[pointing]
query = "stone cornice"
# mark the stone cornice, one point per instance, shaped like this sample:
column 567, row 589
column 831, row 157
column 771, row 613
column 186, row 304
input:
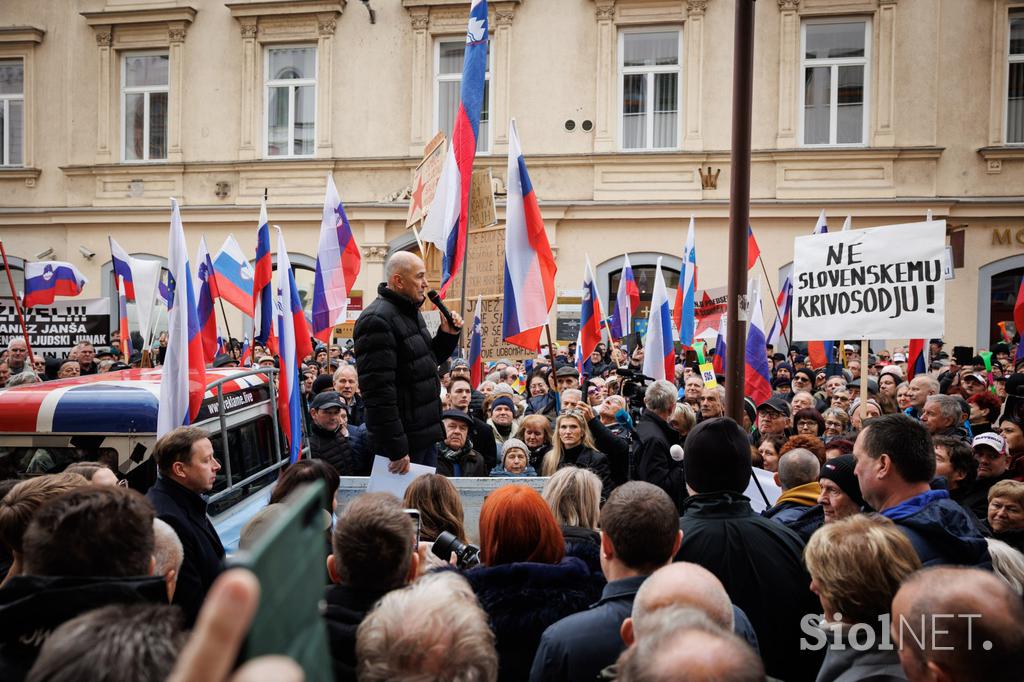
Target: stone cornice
column 148, row 15
column 21, row 34
column 264, row 8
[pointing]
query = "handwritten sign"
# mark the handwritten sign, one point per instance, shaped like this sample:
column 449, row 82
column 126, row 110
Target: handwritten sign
column 709, row 307
column 424, row 180
column 882, row 282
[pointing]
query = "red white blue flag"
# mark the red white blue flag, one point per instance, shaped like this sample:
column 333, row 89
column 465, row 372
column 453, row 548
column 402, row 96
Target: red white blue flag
column 757, row 379
column 659, row 351
column 684, row 312
column 262, row 290
column 337, row 266
column 207, row 293
column 718, row 361
column 476, row 369
column 529, row 263
column 627, row 300
column 183, row 380
column 447, row 221
column 46, row 279
column 821, row 227
column 590, row 319
column 122, row 264
column 917, row 360
column 784, row 303
column 125, row 346
column 289, row 404
column 234, row 275
column 753, row 250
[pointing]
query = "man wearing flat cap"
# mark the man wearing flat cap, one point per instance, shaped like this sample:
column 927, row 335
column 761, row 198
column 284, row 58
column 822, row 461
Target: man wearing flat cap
column 328, row 434
column 455, row 454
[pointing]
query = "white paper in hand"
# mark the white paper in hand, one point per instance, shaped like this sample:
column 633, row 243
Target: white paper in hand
column 383, row 481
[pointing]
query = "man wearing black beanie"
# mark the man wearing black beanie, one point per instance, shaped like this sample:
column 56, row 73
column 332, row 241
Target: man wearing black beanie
column 758, row 560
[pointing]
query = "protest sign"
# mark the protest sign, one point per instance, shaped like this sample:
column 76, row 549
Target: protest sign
column 53, row 330
column 709, row 306
column 424, row 180
column 482, row 211
column 882, row 282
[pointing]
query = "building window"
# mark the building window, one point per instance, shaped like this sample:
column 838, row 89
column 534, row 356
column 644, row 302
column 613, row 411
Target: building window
column 144, row 92
column 651, row 96
column 448, row 84
column 1015, row 84
column 835, row 64
column 290, row 100
column 12, row 112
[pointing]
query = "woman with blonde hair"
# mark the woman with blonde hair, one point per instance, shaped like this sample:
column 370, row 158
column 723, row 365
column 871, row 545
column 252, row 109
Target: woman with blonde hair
column 574, row 496
column 574, row 446
column 535, row 431
column 856, row 566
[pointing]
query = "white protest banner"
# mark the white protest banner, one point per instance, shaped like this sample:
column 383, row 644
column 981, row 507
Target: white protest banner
column 882, row 282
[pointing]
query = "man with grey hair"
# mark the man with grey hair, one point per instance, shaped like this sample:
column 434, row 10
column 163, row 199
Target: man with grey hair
column 798, row 477
column 346, row 383
column 712, row 402
column 918, row 390
column 654, row 461
column 941, row 416
column 17, row 355
column 397, row 363
column 168, row 554
column 433, row 629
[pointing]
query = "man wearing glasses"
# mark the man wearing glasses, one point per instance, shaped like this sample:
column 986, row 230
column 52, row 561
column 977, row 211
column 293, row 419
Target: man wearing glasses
column 772, row 417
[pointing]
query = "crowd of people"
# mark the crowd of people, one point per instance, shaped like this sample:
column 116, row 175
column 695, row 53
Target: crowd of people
column 893, row 551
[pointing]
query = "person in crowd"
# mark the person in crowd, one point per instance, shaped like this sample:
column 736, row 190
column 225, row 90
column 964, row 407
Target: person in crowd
column 397, row 361
column 782, row 388
column 840, row 495
column 94, row 472
column 837, row 447
column 798, row 478
column 502, row 419
column 439, row 504
column 460, row 369
column 23, row 378
column 298, row 474
column 770, row 446
column 693, row 390
column 903, row 396
column 773, row 416
column 856, row 566
column 515, row 460
column 940, row 618
column 985, row 408
column 861, row 413
column 328, row 434
column 758, row 561
column 993, row 463
column 574, row 446
column 941, row 415
column 187, row 471
column 1006, row 513
column 841, row 399
column 21, row 503
column 802, row 400
column 346, row 383
column 615, row 417
column 712, row 402
column 895, row 465
column 167, row 555
column 837, row 423
column 460, row 393
column 803, row 381
column 86, row 548
column 117, row 643
column 808, row 421
column 68, row 369
column 682, row 643
column 574, row 497
column 918, row 391
column 955, row 462
column 682, row 420
column 889, row 378
column 654, row 461
column 455, row 454
column 1007, row 563
column 85, row 353
column 17, row 355
column 639, row 534
column 613, row 447
column 374, row 552
column 5, row 374
column 525, row 582
column 535, row 430
column 434, row 629
column 537, row 386
column 1011, row 428
column 811, row 443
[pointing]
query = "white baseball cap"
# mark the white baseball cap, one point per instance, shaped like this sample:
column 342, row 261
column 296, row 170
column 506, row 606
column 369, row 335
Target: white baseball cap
column 991, row 440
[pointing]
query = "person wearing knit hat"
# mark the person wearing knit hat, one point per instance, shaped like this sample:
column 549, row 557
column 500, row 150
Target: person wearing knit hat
column 515, row 460
column 840, row 491
column 758, row 560
column 501, row 417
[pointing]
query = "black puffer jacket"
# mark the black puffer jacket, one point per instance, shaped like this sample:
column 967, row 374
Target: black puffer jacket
column 585, row 458
column 397, row 363
column 334, row 448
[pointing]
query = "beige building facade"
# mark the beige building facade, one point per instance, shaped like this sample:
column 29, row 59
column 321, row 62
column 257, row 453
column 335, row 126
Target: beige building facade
column 877, row 109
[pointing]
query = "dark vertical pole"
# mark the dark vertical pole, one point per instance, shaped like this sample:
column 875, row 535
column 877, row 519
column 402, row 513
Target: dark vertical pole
column 739, row 203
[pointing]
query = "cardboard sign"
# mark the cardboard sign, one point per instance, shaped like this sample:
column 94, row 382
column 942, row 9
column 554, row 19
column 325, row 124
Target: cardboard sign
column 424, row 180
column 53, row 330
column 709, row 306
column 882, row 282
column 482, row 212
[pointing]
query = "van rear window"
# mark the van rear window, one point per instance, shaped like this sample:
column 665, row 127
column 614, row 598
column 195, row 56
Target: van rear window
column 251, row 448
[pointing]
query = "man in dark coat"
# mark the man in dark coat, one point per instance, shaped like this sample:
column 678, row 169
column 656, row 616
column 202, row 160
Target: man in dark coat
column 346, row 383
column 759, row 561
column 374, row 553
column 188, row 470
column 455, row 455
column 460, row 392
column 993, row 466
column 654, row 462
column 397, row 364
column 328, row 434
column 639, row 534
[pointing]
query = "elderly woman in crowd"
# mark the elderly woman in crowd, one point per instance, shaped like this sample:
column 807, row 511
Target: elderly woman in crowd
column 856, row 567
column 574, row 496
column 902, row 397
column 809, row 422
column 535, row 430
column 837, row 422
column 439, row 505
column 515, row 460
column 525, row 582
column 770, row 450
column 858, row 416
column 1006, row 513
column 574, row 446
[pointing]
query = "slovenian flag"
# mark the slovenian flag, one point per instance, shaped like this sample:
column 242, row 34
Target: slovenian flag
column 122, row 264
column 245, row 355
column 46, row 279
column 784, row 304
column 234, row 275
column 207, row 293
column 590, row 319
column 447, row 221
column 183, row 379
column 627, row 300
column 337, row 266
column 917, row 358
column 659, row 352
column 262, row 291
column 757, row 379
column 476, row 369
column 718, row 361
column 529, row 263
column 122, row 320
column 289, row 406
column 683, row 314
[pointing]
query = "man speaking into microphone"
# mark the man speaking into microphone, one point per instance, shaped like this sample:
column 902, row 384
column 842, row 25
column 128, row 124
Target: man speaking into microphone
column 397, row 362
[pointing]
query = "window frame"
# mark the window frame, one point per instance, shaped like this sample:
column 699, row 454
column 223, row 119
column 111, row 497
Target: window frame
column 1014, row 12
column 290, row 83
column 438, row 78
column 834, row 64
column 146, row 90
column 622, row 71
column 5, row 100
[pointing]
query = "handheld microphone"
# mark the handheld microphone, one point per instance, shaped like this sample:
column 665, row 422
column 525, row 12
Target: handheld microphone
column 435, row 298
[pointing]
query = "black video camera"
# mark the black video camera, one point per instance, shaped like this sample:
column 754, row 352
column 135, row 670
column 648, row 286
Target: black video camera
column 466, row 555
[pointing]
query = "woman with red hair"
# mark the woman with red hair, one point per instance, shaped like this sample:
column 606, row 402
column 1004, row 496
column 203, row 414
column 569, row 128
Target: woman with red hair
column 526, row 582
